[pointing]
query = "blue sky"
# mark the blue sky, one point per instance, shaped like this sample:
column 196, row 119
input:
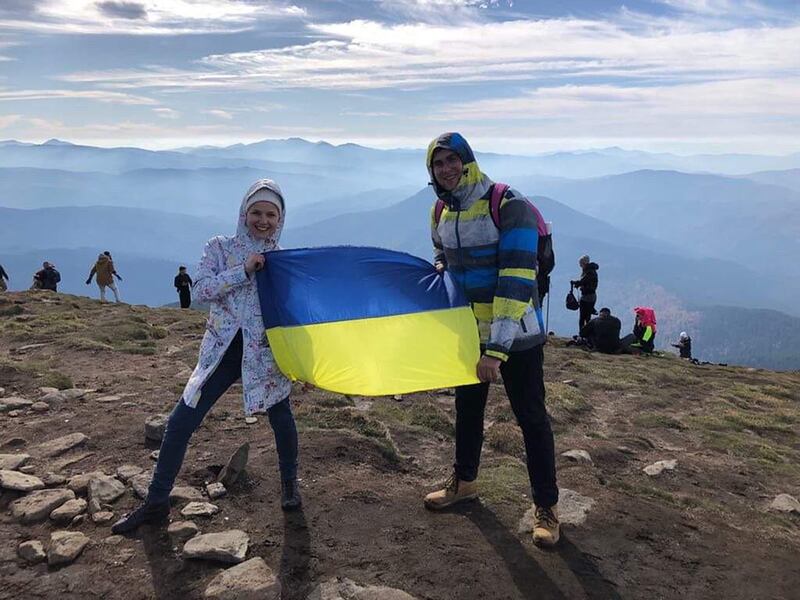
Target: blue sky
column 675, row 75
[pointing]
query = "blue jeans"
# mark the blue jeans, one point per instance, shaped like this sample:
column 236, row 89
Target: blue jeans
column 185, row 420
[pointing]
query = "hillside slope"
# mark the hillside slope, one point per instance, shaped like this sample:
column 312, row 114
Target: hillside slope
column 702, row 530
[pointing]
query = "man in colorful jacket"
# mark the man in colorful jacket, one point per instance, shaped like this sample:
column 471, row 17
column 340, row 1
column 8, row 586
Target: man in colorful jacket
column 496, row 268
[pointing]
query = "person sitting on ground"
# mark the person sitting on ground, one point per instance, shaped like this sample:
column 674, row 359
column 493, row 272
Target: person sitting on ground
column 183, row 284
column 104, row 268
column 684, row 345
column 3, row 278
column 587, row 285
column 234, row 346
column 602, row 332
column 642, row 340
column 46, row 278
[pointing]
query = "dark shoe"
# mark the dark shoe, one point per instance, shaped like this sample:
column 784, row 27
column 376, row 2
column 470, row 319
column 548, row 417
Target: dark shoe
column 290, row 495
column 146, row 513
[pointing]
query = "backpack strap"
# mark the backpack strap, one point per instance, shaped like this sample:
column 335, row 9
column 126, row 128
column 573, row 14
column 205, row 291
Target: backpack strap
column 498, row 192
column 437, row 211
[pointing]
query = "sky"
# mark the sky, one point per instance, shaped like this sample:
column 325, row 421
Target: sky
column 530, row 76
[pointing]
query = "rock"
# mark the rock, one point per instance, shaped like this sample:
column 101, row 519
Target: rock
column 65, row 546
column 47, row 390
column 95, row 506
column 51, row 479
column 183, row 530
column 105, row 489
column 154, row 427
column 80, row 483
column 38, row 505
column 226, row 546
column 77, row 520
column 215, row 490
column 103, row 516
column 181, row 493
column 658, row 467
column 345, row 589
column 69, row 510
column 236, row 464
column 14, row 403
column 113, row 540
column 250, row 421
column 199, row 509
column 127, row 472
column 32, row 551
column 15, row 442
column 40, row 407
column 140, row 484
column 27, row 469
column 74, row 393
column 250, row 580
column 108, row 398
column 572, row 510
column 577, row 456
column 62, row 444
column 12, row 413
column 2, row 392
column 54, row 398
column 28, row 348
column 785, row 503
column 154, row 454
column 14, row 480
column 13, row 461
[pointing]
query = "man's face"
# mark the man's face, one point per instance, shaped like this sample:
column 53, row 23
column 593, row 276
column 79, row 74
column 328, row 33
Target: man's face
column 447, row 169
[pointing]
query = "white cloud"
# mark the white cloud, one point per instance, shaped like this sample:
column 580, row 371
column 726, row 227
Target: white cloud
column 723, row 8
column 149, row 17
column 364, row 55
column 6, row 120
column 96, row 95
column 219, row 113
column 167, row 113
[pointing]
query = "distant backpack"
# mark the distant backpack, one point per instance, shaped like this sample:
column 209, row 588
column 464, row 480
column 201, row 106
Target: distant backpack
column 545, row 256
column 572, row 302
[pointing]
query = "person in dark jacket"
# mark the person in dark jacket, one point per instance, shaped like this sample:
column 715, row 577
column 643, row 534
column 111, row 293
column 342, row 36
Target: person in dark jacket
column 3, row 279
column 587, row 284
column 47, row 277
column 183, row 283
column 602, row 332
column 684, row 345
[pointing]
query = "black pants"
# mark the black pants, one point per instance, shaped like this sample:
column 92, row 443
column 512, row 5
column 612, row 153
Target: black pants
column 586, row 312
column 185, row 295
column 524, row 382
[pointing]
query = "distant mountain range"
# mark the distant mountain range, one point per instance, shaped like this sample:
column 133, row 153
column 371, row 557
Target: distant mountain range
column 679, row 241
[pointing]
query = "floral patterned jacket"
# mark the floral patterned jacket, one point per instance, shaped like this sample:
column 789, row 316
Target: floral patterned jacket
column 222, row 281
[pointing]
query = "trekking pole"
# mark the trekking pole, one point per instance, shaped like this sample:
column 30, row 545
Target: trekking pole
column 547, row 319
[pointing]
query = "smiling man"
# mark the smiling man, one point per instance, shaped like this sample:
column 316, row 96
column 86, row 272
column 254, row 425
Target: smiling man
column 489, row 247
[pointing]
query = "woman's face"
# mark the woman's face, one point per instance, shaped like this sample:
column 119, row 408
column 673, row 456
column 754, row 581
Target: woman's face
column 262, row 220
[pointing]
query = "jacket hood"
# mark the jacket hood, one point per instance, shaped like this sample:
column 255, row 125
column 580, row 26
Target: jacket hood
column 473, row 183
column 593, row 266
column 241, row 228
column 102, row 258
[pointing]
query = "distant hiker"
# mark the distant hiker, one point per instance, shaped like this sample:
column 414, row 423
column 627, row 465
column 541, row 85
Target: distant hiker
column 104, row 268
column 587, row 284
column 47, row 278
column 602, row 332
column 3, row 279
column 233, row 346
column 183, row 284
column 684, row 345
column 644, row 332
column 495, row 265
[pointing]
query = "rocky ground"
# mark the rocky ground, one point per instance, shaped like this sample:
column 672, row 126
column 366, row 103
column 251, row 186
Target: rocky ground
column 678, row 481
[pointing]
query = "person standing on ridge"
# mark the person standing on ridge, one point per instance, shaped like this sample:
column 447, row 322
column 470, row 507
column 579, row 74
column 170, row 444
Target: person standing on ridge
column 104, row 268
column 495, row 265
column 587, row 284
column 47, row 278
column 3, row 279
column 183, row 284
column 234, row 346
column 684, row 345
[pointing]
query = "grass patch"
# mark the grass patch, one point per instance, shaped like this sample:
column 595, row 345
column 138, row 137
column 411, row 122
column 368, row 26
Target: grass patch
column 57, row 380
column 504, row 482
column 348, row 420
column 744, row 446
column 11, row 310
column 565, row 402
column 414, row 413
column 779, row 421
column 656, row 421
column 506, row 438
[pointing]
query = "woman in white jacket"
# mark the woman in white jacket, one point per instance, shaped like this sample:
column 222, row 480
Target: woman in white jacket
column 234, row 346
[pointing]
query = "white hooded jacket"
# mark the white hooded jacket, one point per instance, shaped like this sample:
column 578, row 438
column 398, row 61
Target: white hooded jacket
column 222, row 281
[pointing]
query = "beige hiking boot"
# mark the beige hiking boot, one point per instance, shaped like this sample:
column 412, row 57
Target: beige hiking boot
column 546, row 530
column 454, row 491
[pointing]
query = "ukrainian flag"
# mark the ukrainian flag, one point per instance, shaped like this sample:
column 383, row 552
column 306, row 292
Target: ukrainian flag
column 366, row 321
